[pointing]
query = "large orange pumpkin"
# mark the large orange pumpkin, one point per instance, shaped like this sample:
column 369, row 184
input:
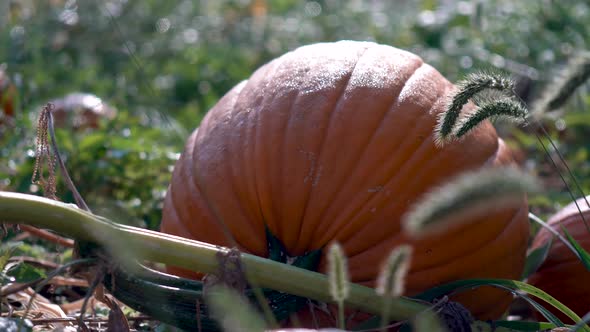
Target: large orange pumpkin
column 562, row 274
column 334, row 142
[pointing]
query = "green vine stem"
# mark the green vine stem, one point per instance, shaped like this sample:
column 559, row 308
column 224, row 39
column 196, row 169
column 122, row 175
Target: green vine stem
column 188, row 254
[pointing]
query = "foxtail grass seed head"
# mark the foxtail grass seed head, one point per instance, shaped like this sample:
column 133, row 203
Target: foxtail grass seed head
column 428, row 321
column 232, row 311
column 468, row 195
column 467, row 89
column 564, row 85
column 503, row 108
column 338, row 273
column 391, row 281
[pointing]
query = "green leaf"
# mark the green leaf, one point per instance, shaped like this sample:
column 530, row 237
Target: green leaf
column 546, row 313
column 23, row 272
column 276, row 249
column 583, row 255
column 549, row 228
column 309, row 261
column 92, row 141
column 535, row 258
column 166, row 328
column 6, row 251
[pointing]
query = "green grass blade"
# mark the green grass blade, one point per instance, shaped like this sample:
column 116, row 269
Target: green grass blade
column 524, row 325
column 513, row 285
column 580, row 325
column 546, row 313
column 549, row 228
column 535, row 258
column 583, row 255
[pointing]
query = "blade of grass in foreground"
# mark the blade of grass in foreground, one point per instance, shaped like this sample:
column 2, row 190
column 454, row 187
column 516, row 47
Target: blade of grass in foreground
column 537, row 306
column 535, row 258
column 582, row 323
column 512, row 285
column 583, row 255
column 525, row 325
column 467, row 195
column 568, row 240
column 232, row 311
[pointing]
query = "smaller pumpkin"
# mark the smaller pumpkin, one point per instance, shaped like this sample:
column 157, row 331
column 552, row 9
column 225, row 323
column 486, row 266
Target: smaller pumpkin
column 80, row 111
column 7, row 97
column 562, row 274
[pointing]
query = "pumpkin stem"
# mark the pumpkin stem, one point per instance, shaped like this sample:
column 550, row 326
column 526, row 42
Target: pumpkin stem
column 184, row 253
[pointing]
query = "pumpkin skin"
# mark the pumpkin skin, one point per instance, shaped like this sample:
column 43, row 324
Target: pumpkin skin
column 562, row 274
column 7, row 98
column 334, row 142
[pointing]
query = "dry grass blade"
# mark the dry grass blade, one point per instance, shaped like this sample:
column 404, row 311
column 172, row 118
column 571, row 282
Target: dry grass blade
column 117, row 320
column 35, row 306
column 46, row 235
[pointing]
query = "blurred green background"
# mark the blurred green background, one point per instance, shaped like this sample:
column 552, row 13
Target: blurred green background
column 163, row 64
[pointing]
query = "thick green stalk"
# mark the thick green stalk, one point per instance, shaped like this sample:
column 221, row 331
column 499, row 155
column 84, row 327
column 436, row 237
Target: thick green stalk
column 193, row 255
